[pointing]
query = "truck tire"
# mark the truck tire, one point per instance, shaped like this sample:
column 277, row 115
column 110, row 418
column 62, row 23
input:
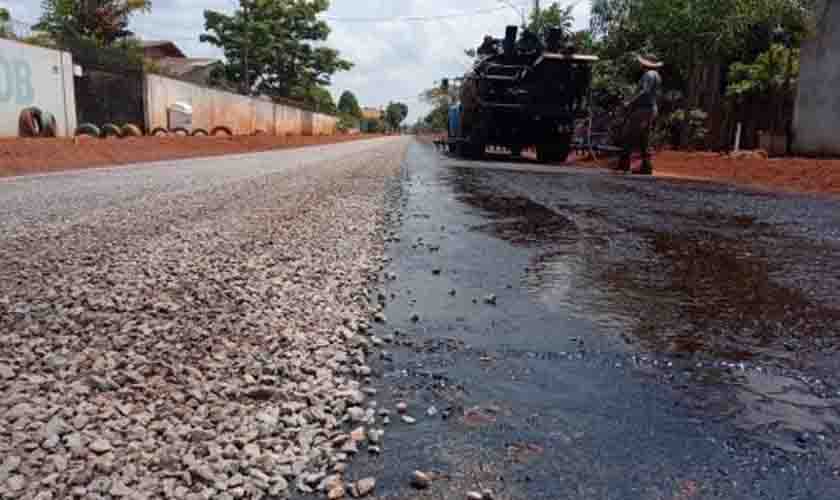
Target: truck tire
column 49, row 126
column 476, row 151
column 160, row 132
column 131, row 130
column 516, row 151
column 29, row 122
column 89, row 130
column 556, row 152
column 221, row 130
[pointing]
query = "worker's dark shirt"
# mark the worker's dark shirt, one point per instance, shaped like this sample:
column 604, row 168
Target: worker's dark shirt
column 649, row 87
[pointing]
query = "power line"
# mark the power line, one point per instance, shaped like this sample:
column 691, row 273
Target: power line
column 413, row 19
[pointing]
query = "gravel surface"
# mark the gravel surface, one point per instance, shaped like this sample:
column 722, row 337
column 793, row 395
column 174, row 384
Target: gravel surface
column 191, row 332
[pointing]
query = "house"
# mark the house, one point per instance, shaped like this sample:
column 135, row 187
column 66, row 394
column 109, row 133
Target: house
column 816, row 121
column 372, row 113
column 160, row 49
column 171, row 61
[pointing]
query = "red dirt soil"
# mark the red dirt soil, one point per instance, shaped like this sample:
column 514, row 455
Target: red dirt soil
column 31, row 156
column 802, row 175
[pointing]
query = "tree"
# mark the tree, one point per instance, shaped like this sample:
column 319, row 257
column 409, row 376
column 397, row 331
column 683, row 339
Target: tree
column 697, row 39
column 274, row 47
column 101, row 21
column 395, row 113
column 554, row 16
column 5, row 17
column 349, row 105
column 317, row 97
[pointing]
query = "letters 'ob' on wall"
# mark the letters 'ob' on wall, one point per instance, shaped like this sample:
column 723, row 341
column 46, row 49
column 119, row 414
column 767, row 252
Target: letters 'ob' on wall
column 35, row 76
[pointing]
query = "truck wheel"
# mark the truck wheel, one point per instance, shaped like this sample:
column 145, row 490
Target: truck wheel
column 477, row 151
column 553, row 153
column 516, row 151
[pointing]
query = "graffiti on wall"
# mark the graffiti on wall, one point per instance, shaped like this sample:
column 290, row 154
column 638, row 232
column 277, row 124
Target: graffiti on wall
column 16, row 81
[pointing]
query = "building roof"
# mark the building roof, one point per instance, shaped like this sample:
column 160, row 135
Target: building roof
column 191, row 69
column 372, row 113
column 165, row 46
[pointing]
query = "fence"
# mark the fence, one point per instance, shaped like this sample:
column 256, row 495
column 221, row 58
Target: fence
column 241, row 114
column 817, row 118
column 110, row 88
column 35, row 76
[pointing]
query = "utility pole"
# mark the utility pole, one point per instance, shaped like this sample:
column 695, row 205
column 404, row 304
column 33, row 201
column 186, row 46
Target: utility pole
column 537, row 14
column 246, row 15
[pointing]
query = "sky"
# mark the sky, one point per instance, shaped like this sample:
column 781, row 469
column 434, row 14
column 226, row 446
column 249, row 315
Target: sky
column 394, row 60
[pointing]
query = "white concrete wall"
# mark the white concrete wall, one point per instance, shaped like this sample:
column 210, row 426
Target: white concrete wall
column 243, row 115
column 35, row 76
column 816, row 122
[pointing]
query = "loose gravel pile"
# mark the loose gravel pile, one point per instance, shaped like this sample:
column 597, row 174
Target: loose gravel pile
column 204, row 345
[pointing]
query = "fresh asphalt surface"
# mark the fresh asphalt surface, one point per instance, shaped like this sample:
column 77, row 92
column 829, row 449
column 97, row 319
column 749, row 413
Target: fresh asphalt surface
column 650, row 339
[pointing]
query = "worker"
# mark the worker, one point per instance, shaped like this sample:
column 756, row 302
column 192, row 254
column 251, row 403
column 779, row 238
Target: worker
column 641, row 111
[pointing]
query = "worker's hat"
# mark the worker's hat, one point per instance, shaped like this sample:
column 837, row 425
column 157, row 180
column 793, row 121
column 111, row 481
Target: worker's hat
column 650, row 61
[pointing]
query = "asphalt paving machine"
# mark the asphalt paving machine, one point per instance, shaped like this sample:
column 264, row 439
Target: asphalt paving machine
column 523, row 91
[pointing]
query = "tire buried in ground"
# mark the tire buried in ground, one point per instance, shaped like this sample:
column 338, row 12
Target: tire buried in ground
column 111, row 130
column 180, row 132
column 160, row 132
column 29, row 122
column 222, row 130
column 88, row 129
column 199, row 132
column 131, row 130
column 49, row 125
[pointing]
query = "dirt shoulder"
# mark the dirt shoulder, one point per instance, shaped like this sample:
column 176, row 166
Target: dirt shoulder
column 802, row 175
column 32, row 156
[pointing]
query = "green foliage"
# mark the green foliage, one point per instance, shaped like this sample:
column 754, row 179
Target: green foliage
column 437, row 119
column 349, row 105
column 105, row 22
column 772, row 71
column 553, row 16
column 685, row 32
column 395, row 113
column 41, row 40
column 347, row 122
column 370, row 126
column 282, row 41
column 5, row 17
column 693, row 122
column 318, row 98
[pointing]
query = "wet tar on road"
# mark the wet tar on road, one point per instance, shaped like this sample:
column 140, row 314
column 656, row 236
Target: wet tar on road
column 560, row 332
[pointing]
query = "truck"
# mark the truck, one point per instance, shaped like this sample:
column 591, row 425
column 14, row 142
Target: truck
column 522, row 92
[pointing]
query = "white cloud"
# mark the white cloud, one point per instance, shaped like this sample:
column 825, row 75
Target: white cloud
column 393, row 61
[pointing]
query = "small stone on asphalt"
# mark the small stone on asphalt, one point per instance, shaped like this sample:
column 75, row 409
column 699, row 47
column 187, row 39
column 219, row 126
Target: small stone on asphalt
column 420, row 480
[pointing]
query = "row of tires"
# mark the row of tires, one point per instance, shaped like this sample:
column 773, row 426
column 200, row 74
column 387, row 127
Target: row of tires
column 130, row 130
column 35, row 122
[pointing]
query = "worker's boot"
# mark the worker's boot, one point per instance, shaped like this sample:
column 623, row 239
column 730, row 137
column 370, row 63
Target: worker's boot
column 647, row 167
column 623, row 164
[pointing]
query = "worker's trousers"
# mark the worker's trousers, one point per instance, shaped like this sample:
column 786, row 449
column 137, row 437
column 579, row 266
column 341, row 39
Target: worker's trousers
column 636, row 133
